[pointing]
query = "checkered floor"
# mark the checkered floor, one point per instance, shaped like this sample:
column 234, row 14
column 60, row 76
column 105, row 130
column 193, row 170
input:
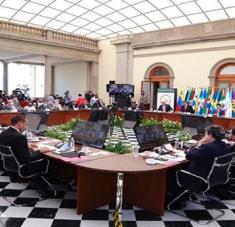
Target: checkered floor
column 60, row 211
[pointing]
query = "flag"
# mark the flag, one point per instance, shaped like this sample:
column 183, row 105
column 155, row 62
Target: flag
column 228, row 103
column 180, row 101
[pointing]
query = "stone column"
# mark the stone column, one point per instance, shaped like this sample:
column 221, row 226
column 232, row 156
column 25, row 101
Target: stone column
column 5, row 76
column 124, row 59
column 49, row 85
column 92, row 77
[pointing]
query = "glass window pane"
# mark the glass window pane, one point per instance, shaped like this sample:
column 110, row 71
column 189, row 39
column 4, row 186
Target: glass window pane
column 233, row 85
column 223, row 85
column 40, row 80
column 228, row 70
column 33, row 78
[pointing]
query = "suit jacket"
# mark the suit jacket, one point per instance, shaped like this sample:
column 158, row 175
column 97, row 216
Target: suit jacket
column 167, row 108
column 188, row 109
column 201, row 159
column 19, row 145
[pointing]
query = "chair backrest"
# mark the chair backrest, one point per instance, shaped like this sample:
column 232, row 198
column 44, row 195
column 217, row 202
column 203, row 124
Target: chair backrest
column 219, row 173
column 10, row 162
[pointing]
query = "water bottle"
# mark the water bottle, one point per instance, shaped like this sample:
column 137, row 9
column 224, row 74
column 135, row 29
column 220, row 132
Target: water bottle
column 72, row 144
column 176, row 144
column 135, row 151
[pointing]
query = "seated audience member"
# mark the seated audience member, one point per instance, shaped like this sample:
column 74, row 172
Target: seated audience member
column 219, row 112
column 42, row 105
column 30, row 107
column 201, row 157
column 2, row 104
column 164, row 107
column 81, row 101
column 23, row 151
column 10, row 106
column 56, row 105
column 50, row 101
column 16, row 103
column 186, row 108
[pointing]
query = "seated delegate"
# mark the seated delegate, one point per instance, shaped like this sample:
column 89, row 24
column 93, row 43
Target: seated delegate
column 23, row 151
column 202, row 156
column 186, row 108
column 164, row 107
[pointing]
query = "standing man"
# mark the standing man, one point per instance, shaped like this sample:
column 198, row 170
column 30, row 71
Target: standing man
column 142, row 101
column 68, row 100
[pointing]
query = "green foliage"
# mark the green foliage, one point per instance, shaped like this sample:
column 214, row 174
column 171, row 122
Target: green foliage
column 149, row 121
column 119, row 148
column 183, row 137
column 69, row 125
column 118, row 121
column 171, row 126
column 59, row 131
column 56, row 133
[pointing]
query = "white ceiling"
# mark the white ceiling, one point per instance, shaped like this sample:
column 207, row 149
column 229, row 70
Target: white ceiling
column 109, row 18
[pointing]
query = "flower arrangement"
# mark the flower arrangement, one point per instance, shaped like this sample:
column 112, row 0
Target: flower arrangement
column 119, row 148
column 171, row 126
column 148, row 121
column 118, row 121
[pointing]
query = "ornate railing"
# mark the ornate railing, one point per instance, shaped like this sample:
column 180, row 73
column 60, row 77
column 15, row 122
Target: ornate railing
column 73, row 39
column 47, row 35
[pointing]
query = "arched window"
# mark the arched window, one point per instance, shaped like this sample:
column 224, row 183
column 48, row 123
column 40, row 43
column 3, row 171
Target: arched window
column 161, row 75
column 225, row 76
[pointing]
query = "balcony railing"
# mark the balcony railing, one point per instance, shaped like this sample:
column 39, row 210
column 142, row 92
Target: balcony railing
column 47, row 35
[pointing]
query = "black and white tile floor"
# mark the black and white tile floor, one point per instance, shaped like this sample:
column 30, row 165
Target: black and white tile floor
column 60, row 211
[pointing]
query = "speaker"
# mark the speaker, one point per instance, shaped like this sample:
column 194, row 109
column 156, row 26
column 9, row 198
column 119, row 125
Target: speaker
column 112, row 82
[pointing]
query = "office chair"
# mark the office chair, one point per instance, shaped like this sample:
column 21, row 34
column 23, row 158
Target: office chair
column 218, row 175
column 232, row 179
column 11, row 164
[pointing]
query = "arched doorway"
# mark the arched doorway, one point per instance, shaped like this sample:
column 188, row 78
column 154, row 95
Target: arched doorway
column 225, row 76
column 157, row 76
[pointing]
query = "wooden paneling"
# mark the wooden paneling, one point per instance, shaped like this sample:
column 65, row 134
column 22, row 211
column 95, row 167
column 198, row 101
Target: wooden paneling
column 60, row 117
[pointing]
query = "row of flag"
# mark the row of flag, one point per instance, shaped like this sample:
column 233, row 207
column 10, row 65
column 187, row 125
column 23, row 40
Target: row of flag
column 204, row 100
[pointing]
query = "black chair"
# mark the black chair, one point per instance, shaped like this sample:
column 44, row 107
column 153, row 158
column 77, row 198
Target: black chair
column 25, row 171
column 218, row 175
column 232, row 179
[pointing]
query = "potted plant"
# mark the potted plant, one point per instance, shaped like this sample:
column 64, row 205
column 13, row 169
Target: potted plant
column 119, row 148
column 148, row 121
column 171, row 126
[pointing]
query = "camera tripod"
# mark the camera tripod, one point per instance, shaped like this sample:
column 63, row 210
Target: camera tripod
column 112, row 117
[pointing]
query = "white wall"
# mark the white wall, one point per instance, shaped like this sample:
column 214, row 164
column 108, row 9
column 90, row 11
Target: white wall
column 72, row 77
column 191, row 63
column 107, row 67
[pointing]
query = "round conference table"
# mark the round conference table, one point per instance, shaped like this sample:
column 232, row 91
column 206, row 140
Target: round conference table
column 143, row 185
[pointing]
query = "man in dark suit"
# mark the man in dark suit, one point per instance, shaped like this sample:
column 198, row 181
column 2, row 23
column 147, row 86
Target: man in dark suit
column 210, row 146
column 201, row 157
column 164, row 107
column 23, row 151
column 187, row 108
